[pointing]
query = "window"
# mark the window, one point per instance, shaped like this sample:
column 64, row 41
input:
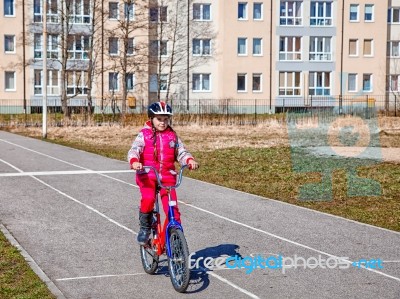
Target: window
column 201, row 82
column 352, row 82
column 154, row 82
column 9, row 43
column 290, row 13
column 393, row 83
column 368, row 47
column 201, row 47
column 201, row 12
column 131, row 46
column 394, row 15
column 367, row 82
column 163, row 46
column 393, row 49
column 242, row 46
column 77, row 82
column 52, row 82
column 158, row 48
column 369, row 13
column 353, row 47
column 130, row 81
column 257, row 46
column 78, row 47
column 113, row 12
column 320, row 48
column 37, row 11
column 242, row 10
column 163, row 82
column 354, row 12
column 241, row 82
column 319, row 83
column 37, row 45
column 79, row 11
column 9, row 81
column 37, row 85
column 289, row 84
column 257, row 11
column 52, row 11
column 290, row 48
column 321, row 13
column 129, row 11
column 113, row 46
column 52, row 45
column 9, row 8
column 257, row 82
column 113, row 84
column 159, row 14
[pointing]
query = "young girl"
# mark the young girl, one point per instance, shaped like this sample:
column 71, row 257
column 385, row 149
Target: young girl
column 157, row 145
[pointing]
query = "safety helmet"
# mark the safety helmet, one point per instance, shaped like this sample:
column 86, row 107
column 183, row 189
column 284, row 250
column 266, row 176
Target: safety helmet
column 159, row 108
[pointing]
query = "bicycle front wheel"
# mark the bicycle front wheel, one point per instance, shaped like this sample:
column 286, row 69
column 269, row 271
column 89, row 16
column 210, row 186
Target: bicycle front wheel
column 178, row 266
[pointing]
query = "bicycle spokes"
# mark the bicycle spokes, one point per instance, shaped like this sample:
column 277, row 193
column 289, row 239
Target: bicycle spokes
column 178, row 262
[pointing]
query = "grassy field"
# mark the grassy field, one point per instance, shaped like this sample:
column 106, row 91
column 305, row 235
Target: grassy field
column 257, row 160
column 17, row 279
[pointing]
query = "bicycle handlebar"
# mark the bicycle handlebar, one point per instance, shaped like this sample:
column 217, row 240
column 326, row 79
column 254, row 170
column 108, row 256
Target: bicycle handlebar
column 147, row 169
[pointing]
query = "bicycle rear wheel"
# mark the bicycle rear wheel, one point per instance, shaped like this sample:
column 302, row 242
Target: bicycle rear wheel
column 149, row 257
column 178, row 263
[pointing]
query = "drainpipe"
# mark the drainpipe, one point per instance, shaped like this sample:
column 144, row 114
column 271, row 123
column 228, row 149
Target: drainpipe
column 341, row 63
column 270, row 58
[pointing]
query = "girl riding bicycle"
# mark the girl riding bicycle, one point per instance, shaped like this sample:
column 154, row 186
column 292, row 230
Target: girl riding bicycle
column 157, row 145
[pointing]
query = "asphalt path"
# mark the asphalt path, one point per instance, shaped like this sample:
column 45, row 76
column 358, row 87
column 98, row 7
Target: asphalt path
column 74, row 215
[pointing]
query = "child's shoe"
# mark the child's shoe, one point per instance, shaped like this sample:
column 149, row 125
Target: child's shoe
column 145, row 220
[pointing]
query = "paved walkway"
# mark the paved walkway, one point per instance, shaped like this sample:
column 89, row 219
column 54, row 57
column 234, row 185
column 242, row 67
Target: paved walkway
column 75, row 215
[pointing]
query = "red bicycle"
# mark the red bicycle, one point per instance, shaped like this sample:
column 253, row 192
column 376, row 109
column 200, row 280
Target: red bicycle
column 167, row 238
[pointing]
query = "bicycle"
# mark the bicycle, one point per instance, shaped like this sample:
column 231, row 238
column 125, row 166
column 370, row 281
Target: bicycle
column 167, row 238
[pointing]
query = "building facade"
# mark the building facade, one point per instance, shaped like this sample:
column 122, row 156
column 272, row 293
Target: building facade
column 277, row 53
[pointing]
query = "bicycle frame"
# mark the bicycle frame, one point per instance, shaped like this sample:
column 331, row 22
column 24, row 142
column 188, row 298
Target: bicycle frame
column 162, row 236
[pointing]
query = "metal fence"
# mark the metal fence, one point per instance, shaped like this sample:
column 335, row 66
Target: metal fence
column 204, row 111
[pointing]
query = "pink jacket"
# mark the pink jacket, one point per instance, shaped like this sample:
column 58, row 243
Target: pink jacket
column 159, row 150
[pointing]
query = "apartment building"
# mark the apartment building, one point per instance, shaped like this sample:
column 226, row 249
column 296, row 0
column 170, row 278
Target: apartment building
column 285, row 53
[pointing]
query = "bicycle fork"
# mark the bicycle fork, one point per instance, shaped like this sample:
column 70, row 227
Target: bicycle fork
column 172, row 223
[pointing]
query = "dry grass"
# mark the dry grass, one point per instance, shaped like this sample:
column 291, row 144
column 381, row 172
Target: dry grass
column 207, row 138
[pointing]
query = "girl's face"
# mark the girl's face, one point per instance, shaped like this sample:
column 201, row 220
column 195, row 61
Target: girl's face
column 160, row 122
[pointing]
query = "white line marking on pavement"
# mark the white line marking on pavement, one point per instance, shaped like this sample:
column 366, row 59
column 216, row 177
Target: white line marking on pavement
column 99, row 276
column 287, row 240
column 251, row 295
column 12, row 166
column 73, row 199
column 124, row 227
column 42, row 154
column 66, row 172
column 221, row 217
column 86, row 206
column 300, row 207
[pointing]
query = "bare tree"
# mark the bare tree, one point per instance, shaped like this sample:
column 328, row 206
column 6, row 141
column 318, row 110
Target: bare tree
column 126, row 52
column 173, row 33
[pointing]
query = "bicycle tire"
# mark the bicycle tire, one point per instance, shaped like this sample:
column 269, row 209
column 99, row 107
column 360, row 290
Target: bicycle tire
column 149, row 257
column 178, row 263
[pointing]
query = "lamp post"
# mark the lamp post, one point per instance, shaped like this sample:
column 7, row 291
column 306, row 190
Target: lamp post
column 188, row 54
column 44, row 83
